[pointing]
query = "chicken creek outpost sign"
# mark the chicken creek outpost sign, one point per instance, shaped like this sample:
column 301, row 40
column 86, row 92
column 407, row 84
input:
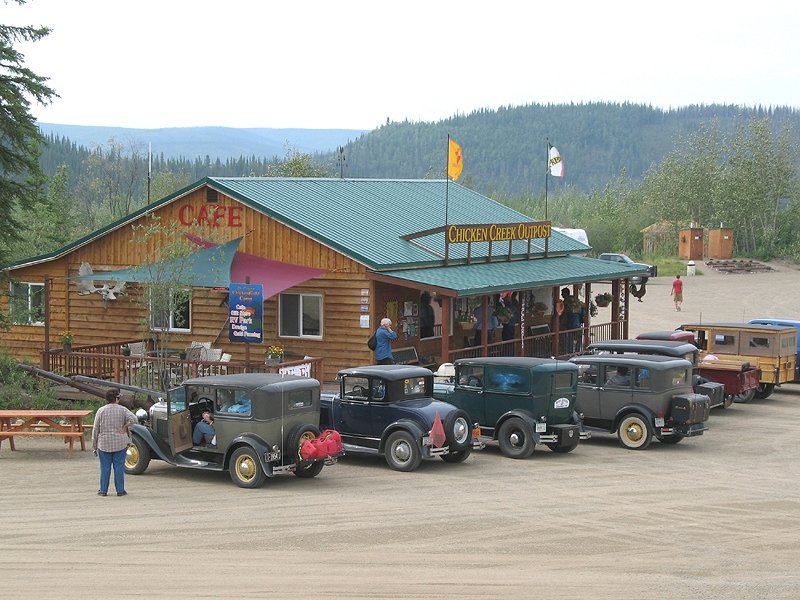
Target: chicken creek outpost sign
column 245, row 313
column 498, row 232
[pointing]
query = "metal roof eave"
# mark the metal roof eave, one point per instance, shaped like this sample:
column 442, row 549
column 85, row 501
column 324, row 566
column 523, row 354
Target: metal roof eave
column 488, row 278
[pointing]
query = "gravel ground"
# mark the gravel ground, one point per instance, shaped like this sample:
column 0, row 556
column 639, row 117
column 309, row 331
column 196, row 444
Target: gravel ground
column 714, row 517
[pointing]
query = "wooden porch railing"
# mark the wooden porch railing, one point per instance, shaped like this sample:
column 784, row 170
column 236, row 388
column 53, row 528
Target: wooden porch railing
column 570, row 343
column 160, row 373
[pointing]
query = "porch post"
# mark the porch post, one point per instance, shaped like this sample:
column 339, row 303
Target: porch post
column 446, row 310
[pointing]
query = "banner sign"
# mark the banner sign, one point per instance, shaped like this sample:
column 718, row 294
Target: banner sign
column 246, row 310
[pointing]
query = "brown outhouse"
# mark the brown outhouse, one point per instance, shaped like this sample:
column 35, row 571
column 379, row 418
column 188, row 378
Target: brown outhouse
column 720, row 243
column 690, row 244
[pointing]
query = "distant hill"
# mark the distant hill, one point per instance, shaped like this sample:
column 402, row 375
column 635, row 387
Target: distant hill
column 215, row 142
column 504, row 149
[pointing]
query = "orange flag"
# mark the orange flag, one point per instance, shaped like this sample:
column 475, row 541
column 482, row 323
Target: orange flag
column 438, row 437
column 455, row 160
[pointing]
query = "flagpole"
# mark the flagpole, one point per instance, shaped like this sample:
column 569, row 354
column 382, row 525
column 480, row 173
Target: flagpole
column 546, row 174
column 447, row 180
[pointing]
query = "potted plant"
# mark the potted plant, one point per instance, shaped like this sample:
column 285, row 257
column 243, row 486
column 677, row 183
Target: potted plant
column 465, row 320
column 66, row 338
column 274, row 355
column 503, row 314
column 126, row 350
column 603, row 299
column 539, row 308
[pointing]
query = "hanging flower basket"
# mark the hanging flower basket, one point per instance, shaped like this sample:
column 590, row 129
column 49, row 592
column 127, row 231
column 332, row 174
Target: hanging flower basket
column 603, row 299
column 466, row 325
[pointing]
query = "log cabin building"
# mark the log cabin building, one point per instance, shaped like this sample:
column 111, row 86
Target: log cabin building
column 335, row 256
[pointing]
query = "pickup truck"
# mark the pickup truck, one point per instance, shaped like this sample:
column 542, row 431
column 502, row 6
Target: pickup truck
column 389, row 411
column 624, row 259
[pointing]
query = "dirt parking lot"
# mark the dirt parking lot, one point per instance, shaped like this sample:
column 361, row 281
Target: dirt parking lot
column 715, row 517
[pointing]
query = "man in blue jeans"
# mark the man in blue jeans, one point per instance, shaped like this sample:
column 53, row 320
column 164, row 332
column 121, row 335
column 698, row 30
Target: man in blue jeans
column 384, row 336
column 110, row 441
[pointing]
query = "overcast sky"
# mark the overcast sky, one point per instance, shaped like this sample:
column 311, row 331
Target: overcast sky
column 353, row 64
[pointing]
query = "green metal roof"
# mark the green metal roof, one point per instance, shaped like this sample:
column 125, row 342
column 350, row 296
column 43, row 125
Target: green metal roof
column 495, row 277
column 364, row 218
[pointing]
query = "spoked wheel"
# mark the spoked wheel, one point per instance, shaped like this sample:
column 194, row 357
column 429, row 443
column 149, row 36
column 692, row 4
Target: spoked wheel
column 245, row 469
column 634, row 432
column 402, row 452
column 516, row 438
column 137, row 457
column 744, row 397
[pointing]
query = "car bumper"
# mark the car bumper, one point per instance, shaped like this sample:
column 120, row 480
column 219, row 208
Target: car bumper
column 685, row 430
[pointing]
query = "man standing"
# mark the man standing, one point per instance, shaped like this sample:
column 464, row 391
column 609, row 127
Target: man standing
column 677, row 292
column 384, row 336
column 110, row 440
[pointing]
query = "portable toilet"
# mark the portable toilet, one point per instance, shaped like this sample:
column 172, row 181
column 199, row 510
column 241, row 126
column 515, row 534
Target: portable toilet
column 720, row 243
column 690, row 246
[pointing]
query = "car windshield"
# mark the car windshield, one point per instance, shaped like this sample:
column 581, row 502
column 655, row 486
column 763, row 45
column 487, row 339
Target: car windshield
column 176, row 400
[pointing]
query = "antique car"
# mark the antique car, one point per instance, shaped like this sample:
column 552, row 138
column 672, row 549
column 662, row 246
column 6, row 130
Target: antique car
column 518, row 402
column 784, row 323
column 261, row 424
column 773, row 348
column 640, row 396
column 389, row 410
column 709, row 379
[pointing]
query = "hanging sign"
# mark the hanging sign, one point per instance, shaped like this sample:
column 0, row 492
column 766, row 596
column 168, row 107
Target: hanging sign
column 246, row 309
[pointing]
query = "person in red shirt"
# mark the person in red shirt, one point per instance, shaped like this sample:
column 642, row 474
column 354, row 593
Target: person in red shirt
column 677, row 292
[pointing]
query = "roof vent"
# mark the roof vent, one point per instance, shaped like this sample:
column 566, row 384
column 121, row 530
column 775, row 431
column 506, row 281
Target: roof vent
column 211, row 195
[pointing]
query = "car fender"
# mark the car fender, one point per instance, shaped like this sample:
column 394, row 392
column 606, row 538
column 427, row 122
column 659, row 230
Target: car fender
column 522, row 414
column 157, row 446
column 406, row 425
column 634, row 408
column 257, row 444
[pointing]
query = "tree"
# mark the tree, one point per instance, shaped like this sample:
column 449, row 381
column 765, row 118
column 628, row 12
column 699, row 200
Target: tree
column 19, row 136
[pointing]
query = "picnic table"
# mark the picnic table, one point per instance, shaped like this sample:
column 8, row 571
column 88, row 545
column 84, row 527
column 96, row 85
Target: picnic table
column 58, row 423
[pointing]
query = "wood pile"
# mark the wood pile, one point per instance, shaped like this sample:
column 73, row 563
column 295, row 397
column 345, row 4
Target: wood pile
column 739, row 266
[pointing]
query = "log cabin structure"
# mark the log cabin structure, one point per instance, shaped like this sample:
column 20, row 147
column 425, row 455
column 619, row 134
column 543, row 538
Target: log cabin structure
column 335, row 256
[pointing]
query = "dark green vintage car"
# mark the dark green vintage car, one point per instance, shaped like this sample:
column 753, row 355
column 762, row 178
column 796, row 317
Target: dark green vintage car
column 518, row 401
column 260, row 423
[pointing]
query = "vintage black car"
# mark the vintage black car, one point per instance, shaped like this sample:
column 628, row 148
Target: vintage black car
column 640, row 396
column 518, row 401
column 260, row 422
column 388, row 410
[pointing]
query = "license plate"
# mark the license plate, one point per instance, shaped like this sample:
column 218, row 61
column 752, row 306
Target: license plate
column 541, row 427
column 271, row 456
column 659, row 421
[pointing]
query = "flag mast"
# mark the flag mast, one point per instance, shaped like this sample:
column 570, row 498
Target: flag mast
column 546, row 174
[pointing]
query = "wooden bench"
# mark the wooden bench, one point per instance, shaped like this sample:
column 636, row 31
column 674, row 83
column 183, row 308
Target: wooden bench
column 409, row 356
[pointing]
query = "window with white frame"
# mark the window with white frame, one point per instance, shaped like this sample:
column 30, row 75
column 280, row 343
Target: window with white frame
column 26, row 303
column 300, row 315
column 173, row 312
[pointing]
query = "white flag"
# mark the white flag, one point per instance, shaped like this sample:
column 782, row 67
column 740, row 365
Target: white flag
column 554, row 162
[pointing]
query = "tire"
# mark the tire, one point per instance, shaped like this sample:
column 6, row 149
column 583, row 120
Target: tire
column 458, row 431
column 402, row 452
column 727, row 401
column 304, row 468
column 137, row 458
column 634, row 432
column 745, row 397
column 764, row 390
column 457, row 456
column 245, row 468
column 516, row 438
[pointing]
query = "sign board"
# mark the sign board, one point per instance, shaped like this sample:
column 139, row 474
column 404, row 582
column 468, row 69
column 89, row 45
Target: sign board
column 246, row 310
column 302, row 370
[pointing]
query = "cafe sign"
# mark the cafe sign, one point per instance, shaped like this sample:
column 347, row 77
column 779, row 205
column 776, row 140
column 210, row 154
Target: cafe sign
column 497, row 232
